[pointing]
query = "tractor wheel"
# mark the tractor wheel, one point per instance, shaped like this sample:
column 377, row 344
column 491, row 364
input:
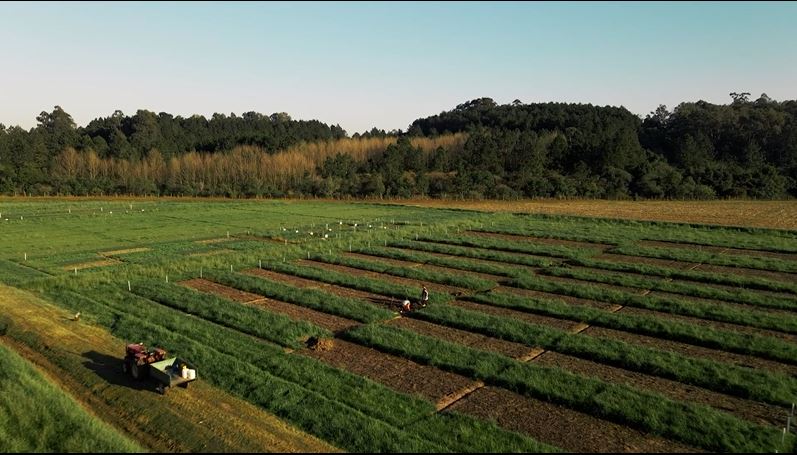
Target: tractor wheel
column 135, row 371
column 184, row 385
column 125, row 368
column 162, row 389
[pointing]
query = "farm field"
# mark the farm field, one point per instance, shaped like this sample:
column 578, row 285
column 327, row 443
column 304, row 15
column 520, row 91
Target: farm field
column 543, row 332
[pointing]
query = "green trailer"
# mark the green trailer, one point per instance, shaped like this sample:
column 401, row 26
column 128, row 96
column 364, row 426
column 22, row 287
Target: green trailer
column 169, row 373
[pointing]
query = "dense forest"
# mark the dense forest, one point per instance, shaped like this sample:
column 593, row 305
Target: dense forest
column 479, row 149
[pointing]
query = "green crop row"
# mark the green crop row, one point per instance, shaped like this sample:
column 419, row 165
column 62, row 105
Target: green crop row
column 685, row 255
column 693, row 424
column 345, row 409
column 310, row 298
column 258, row 322
column 474, row 253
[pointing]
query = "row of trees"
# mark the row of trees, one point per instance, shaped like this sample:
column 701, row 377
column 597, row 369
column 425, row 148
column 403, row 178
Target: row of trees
column 478, row 149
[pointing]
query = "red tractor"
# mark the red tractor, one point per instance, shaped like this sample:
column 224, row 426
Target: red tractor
column 138, row 359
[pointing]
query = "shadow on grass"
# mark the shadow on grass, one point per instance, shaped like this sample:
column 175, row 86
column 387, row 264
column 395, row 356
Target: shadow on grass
column 109, row 368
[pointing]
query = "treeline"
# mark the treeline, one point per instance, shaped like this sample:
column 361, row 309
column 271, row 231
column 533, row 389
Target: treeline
column 477, row 150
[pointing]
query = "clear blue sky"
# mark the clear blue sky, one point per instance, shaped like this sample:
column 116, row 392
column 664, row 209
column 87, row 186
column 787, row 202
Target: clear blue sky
column 385, row 64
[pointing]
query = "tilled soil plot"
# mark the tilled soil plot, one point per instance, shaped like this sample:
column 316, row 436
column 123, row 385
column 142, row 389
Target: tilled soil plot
column 469, row 339
column 724, row 287
column 759, row 413
column 571, row 430
column 428, row 267
column 767, row 274
column 691, row 350
column 669, row 263
column 327, row 321
column 741, row 306
column 791, row 338
column 517, row 267
column 395, row 372
column 587, row 283
column 542, row 240
column 720, row 249
column 201, row 284
column 295, row 281
column 516, row 314
column 565, row 298
column 92, row 264
column 433, row 287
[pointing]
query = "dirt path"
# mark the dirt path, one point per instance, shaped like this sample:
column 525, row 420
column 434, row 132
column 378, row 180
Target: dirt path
column 84, row 360
column 571, row 430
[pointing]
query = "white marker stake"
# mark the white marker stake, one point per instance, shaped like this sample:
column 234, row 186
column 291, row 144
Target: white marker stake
column 200, row 272
column 230, row 267
column 75, row 270
column 260, row 264
column 26, row 256
column 128, row 285
column 228, row 234
column 167, row 278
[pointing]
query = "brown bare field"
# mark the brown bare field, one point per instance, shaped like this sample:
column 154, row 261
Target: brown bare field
column 127, row 251
column 91, row 265
column 763, row 214
column 218, row 421
column 755, row 412
column 571, row 430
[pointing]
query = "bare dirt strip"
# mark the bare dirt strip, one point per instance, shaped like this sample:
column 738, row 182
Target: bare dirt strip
column 770, row 275
column 719, row 249
column 127, row 251
column 542, row 240
column 427, row 267
column 668, row 263
column 211, row 287
column 719, row 269
column 473, row 340
column 659, row 343
column 724, row 287
column 296, row 312
column 566, row 298
column 433, row 287
column 395, row 372
column 689, row 350
column 760, row 413
column 571, row 430
column 92, row 264
column 470, row 339
column 791, row 338
column 211, row 253
column 304, row 283
column 530, row 318
column 201, row 418
column 217, row 240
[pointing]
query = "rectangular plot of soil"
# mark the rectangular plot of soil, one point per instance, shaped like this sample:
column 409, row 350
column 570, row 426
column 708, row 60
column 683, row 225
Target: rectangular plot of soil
column 395, row 372
column 689, row 350
column 668, row 263
column 428, row 267
column 788, row 337
column 720, row 250
column 565, row 298
column 127, row 251
column 210, row 287
column 759, row 413
column 383, row 301
column 571, row 430
column 433, row 287
column 770, row 275
column 473, row 340
column 542, row 240
column 296, row 312
column 91, row 265
column 515, row 314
